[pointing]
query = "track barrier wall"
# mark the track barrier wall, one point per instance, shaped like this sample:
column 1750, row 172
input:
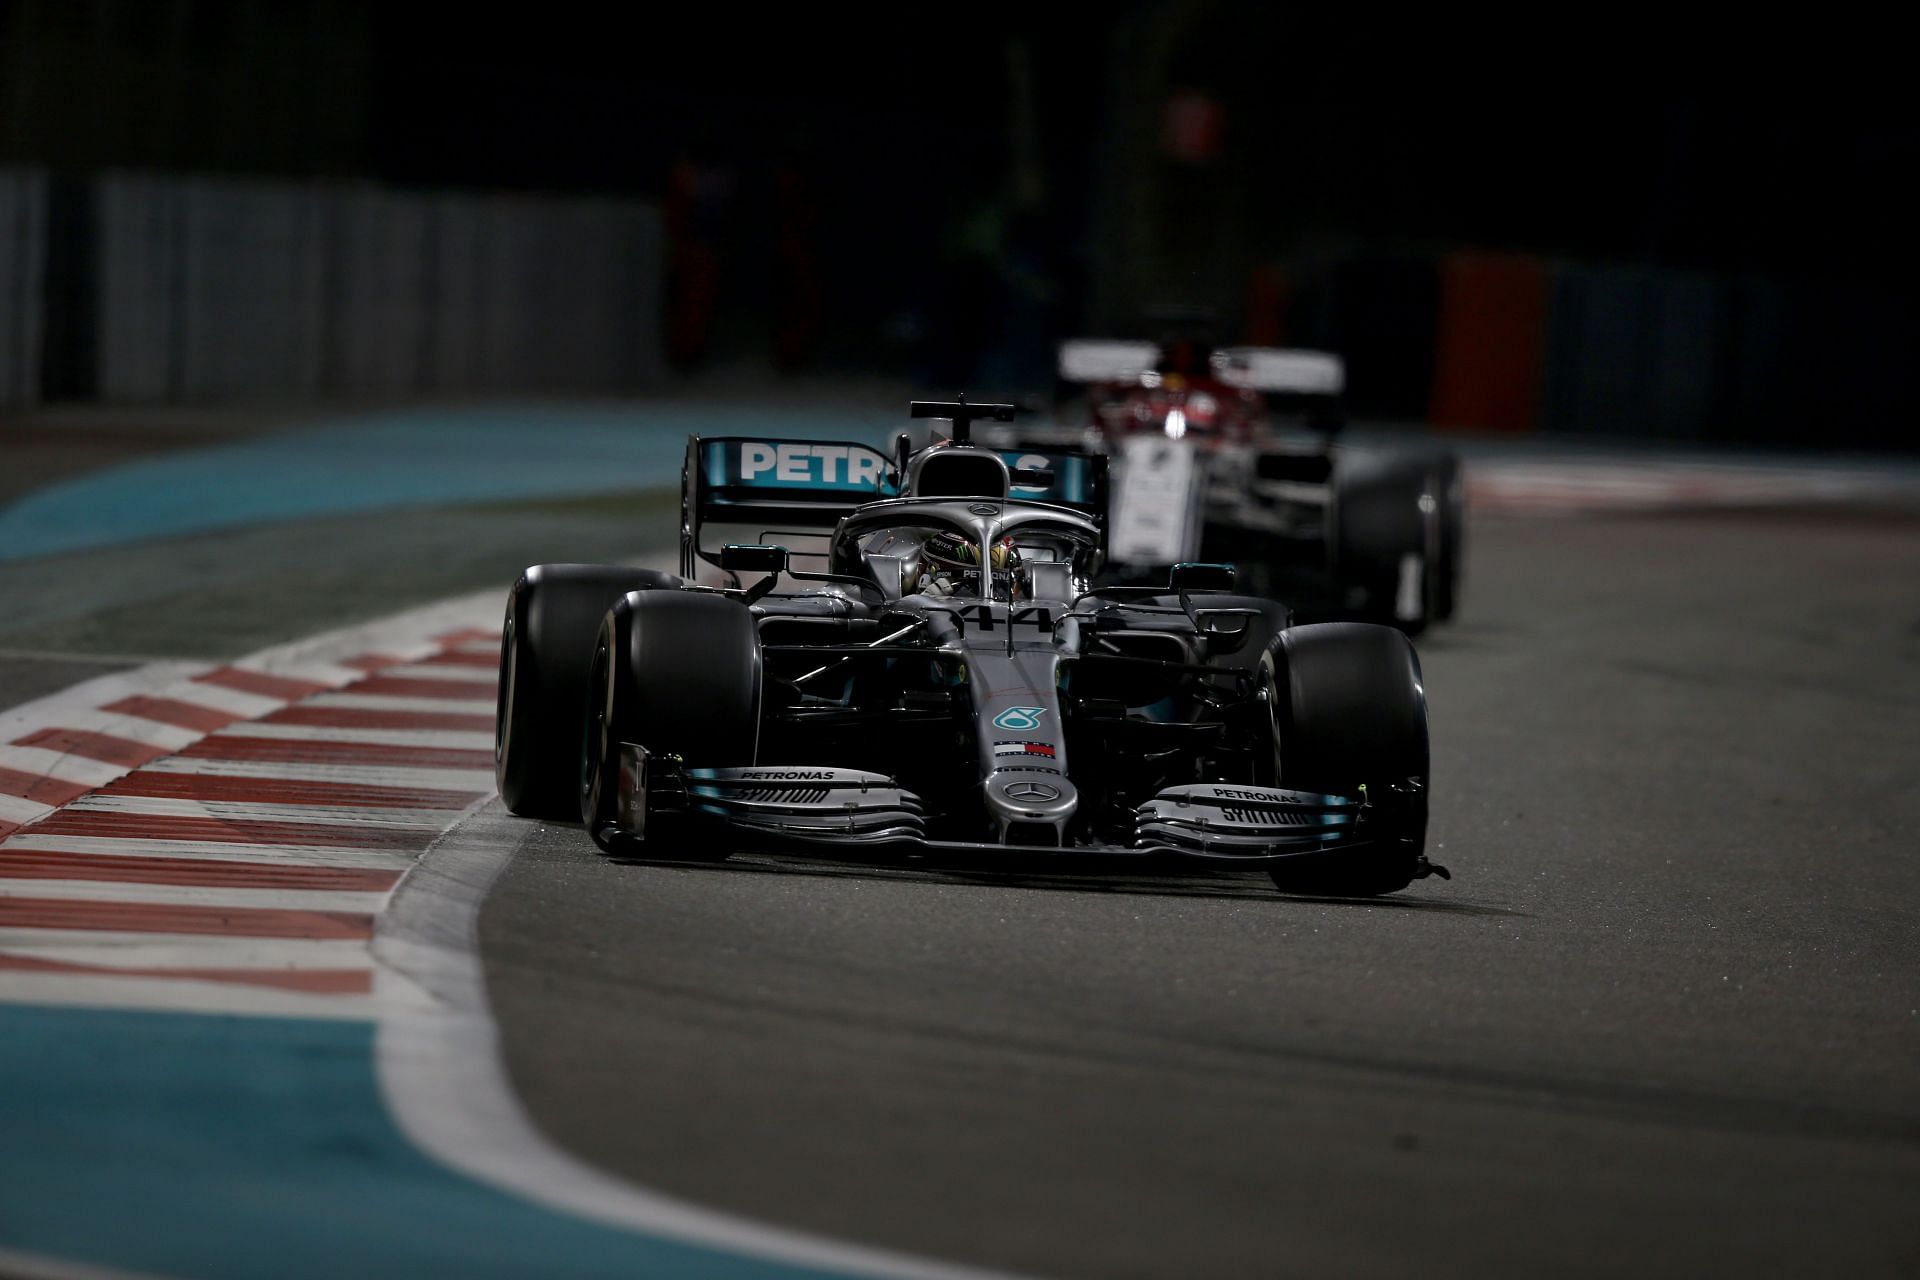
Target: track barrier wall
column 23, row 246
column 1633, row 346
column 1489, row 342
column 152, row 289
column 201, row 289
column 1518, row 343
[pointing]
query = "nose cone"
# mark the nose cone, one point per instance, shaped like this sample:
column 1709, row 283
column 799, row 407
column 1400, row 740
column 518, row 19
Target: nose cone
column 1031, row 796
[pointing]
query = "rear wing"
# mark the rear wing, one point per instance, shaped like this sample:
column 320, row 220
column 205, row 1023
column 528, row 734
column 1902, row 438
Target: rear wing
column 1104, row 360
column 802, row 485
column 1038, row 470
column 806, row 486
column 1064, row 477
column 1275, row 370
column 1286, row 371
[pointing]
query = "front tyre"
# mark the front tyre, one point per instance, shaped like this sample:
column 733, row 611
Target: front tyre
column 678, row 673
column 1352, row 711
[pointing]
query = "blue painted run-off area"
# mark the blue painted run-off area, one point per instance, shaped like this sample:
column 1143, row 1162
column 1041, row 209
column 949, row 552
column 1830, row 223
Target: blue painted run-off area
column 396, row 459
column 208, row 1146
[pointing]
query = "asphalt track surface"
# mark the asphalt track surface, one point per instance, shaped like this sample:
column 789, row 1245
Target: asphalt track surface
column 1663, row 1019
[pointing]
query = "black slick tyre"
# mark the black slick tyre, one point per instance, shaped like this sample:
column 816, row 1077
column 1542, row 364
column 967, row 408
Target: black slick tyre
column 1352, row 710
column 678, row 673
column 1379, row 523
column 546, row 641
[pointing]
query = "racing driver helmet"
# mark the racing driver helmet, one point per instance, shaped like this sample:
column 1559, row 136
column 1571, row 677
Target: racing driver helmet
column 952, row 567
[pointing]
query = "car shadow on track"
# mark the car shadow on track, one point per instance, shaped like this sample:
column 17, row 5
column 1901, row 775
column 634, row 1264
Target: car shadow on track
column 1237, row 885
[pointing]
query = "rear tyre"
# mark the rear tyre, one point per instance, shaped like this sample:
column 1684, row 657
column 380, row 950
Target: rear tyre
column 679, row 673
column 545, row 644
column 1351, row 711
column 1379, row 526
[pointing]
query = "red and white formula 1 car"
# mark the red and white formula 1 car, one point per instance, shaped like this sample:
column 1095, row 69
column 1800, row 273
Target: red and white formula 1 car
column 1231, row 455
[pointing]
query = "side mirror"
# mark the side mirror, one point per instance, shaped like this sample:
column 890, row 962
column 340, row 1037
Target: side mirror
column 753, row 557
column 1201, row 577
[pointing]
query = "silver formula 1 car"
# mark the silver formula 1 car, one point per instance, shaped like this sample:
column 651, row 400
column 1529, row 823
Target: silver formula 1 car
column 946, row 685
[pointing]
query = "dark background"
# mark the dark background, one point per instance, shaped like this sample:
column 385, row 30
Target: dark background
column 941, row 193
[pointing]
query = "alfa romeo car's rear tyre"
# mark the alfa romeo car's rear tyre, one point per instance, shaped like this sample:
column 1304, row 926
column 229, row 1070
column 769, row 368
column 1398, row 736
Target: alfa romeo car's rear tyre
column 1352, row 710
column 546, row 642
column 1381, row 538
column 679, row 673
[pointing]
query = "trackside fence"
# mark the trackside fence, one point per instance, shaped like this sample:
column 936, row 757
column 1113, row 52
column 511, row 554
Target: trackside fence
column 1519, row 343
column 168, row 288
column 23, row 249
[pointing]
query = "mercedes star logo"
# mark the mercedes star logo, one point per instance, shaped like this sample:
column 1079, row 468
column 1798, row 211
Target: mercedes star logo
column 1032, row 791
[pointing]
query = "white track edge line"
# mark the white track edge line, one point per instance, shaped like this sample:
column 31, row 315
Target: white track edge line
column 436, row 1047
column 448, row 1091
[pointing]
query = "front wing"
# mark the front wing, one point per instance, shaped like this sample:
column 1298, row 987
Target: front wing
column 820, row 808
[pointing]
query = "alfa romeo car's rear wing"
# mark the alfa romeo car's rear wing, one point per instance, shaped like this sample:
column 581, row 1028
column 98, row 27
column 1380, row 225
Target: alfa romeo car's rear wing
column 808, row 485
column 1280, row 370
column 1272, row 370
column 1291, row 382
